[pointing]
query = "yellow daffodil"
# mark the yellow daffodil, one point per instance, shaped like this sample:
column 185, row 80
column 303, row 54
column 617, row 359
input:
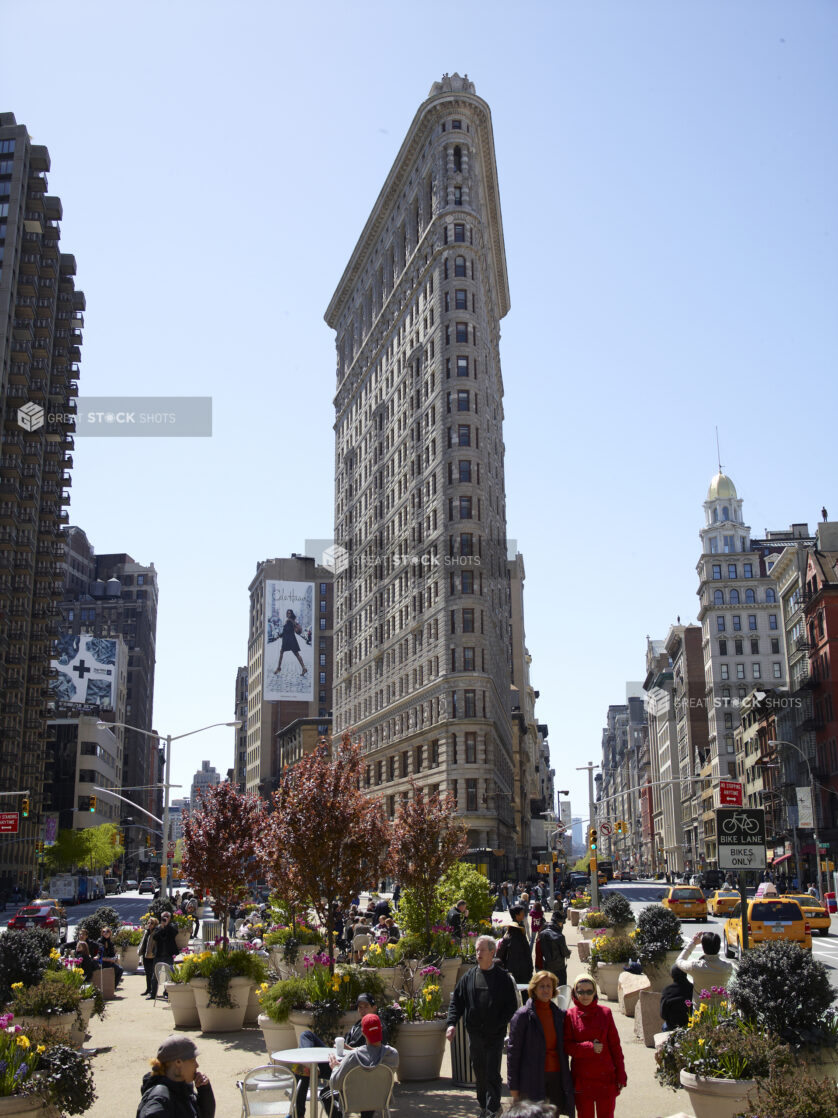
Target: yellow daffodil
column 41, row 1048
column 22, row 1041
column 17, row 985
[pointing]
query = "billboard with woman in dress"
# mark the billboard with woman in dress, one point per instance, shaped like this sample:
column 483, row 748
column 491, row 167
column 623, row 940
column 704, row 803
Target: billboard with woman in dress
column 288, row 663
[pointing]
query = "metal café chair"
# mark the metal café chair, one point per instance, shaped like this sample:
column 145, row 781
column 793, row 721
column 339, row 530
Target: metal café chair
column 267, row 1090
column 366, row 1089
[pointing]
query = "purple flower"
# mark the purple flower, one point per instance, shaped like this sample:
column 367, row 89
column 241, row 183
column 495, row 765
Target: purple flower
column 688, row 1003
column 22, row 1071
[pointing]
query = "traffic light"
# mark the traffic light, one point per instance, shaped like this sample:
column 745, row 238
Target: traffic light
column 555, row 857
column 592, row 836
column 91, row 803
column 148, row 840
column 24, row 807
column 121, row 838
column 114, row 838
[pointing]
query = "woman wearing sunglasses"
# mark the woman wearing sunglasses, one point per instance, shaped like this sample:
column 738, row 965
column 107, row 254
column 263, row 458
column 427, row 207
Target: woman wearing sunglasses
column 593, row 1044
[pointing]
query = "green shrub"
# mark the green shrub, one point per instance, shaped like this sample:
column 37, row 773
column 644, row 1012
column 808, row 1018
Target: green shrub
column 65, row 1078
column 617, row 909
column 595, row 919
column 219, row 967
column 658, row 931
column 287, row 994
column 719, row 1046
column 784, row 989
column 52, row 995
column 464, row 882
column 24, row 955
column 103, row 917
column 302, row 934
column 791, row 1093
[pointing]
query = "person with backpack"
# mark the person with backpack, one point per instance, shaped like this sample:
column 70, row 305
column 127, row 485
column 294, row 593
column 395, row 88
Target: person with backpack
column 551, row 950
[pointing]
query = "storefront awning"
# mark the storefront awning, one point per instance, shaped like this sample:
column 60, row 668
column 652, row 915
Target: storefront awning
column 782, row 858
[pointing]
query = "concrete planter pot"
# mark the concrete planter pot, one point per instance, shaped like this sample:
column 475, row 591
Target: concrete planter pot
column 22, row 1106
column 215, row 1019
column 387, row 976
column 253, row 1008
column 584, row 949
column 575, row 915
column 303, row 1019
column 822, row 1063
column 659, row 974
column 591, row 933
column 79, row 1030
column 716, row 1098
column 421, row 1047
column 182, row 939
column 607, row 977
column 277, row 963
column 278, row 1034
column 450, row 969
column 63, row 1023
column 620, row 929
column 129, row 958
column 182, row 1004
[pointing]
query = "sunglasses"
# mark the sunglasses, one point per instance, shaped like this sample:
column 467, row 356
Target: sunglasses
column 584, row 990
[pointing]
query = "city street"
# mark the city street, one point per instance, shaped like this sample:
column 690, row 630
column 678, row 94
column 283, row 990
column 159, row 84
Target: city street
column 130, row 907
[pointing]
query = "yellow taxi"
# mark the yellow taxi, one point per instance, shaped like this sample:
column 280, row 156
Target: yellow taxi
column 722, row 902
column 686, row 901
column 769, row 919
column 819, row 919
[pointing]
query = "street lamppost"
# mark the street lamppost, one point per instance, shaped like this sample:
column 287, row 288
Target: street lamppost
column 815, row 832
column 168, row 739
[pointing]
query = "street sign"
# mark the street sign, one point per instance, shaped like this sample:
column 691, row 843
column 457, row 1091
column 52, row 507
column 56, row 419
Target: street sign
column 740, row 834
column 542, row 869
column 605, row 829
column 730, row 793
column 9, row 822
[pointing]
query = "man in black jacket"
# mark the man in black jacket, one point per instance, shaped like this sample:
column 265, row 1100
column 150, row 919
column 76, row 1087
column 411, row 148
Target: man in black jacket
column 514, row 951
column 455, row 919
column 487, row 999
column 552, row 952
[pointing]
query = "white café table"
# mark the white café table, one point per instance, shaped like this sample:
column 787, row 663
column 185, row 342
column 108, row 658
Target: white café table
column 312, row 1057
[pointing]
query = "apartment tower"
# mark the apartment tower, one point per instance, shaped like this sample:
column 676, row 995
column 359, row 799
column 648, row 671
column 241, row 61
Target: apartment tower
column 40, row 339
column 422, row 606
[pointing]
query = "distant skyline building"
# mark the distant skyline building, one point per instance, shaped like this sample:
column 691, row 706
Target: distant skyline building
column 205, row 777
column 422, row 606
column 239, row 772
column 41, row 321
column 278, row 696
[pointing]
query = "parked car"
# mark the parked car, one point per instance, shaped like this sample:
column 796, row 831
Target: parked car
column 148, row 885
column 819, row 919
column 686, row 901
column 41, row 916
column 131, row 883
column 113, row 885
column 769, row 919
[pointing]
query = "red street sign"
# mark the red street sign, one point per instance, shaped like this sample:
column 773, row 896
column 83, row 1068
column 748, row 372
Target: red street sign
column 730, row 793
column 9, row 822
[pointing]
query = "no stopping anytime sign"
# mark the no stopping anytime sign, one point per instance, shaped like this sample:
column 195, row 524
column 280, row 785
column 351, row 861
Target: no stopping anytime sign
column 740, row 834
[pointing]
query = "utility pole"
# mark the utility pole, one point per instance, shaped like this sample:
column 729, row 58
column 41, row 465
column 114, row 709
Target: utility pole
column 592, row 823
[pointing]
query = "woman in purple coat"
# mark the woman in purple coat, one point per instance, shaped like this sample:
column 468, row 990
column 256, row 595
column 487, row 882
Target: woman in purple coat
column 536, row 1062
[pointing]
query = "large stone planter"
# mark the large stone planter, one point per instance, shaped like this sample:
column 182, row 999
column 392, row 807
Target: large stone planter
column 584, row 949
column 620, row 929
column 450, row 968
column 277, row 963
column 387, row 976
column 79, row 1029
column 213, row 1018
column 822, row 1063
column 129, row 958
column 18, row 1106
column 278, row 1035
column 182, row 1004
column 575, row 915
column 421, row 1047
column 182, row 939
column 716, row 1098
column 253, row 1009
column 659, row 975
column 607, row 978
column 62, row 1022
column 590, row 933
column 303, row 1019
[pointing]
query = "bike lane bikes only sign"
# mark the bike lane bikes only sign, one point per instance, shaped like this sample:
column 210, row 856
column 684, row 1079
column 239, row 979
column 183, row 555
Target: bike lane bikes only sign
column 740, row 834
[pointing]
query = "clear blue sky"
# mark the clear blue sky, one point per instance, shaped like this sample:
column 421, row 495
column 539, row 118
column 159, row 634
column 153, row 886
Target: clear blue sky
column 668, row 183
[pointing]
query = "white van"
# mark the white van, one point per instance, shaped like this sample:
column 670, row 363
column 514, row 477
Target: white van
column 65, row 888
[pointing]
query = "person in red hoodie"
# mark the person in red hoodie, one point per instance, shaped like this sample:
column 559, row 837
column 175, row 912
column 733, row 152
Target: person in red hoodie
column 593, row 1044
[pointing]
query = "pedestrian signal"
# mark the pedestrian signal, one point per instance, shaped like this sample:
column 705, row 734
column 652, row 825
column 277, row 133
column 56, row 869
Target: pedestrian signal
column 91, row 803
column 24, row 807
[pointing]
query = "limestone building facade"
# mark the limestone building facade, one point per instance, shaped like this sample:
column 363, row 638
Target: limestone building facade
column 422, row 604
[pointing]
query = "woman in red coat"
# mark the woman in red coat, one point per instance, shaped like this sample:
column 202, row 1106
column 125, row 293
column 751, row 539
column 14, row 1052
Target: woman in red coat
column 593, row 1044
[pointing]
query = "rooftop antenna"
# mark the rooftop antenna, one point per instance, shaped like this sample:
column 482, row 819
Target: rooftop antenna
column 718, row 451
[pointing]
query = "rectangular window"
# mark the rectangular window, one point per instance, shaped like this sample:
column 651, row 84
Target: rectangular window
column 463, row 399
column 462, row 366
column 772, row 621
column 458, row 196
column 752, row 621
column 462, row 332
column 463, row 435
column 740, row 671
column 720, row 624
column 471, row 795
column 778, row 671
column 729, row 544
column 459, row 231
column 322, row 622
column 748, row 570
column 723, row 648
column 757, row 671
column 467, row 584
column 471, row 749
column 775, row 646
column 737, row 623
column 460, row 267
column 738, row 648
column 466, row 543
column 322, row 587
column 456, row 125
column 322, row 659
column 460, row 299
column 755, row 646
column 465, row 469
column 322, row 606
column 725, row 671
column 405, row 764
column 717, row 570
column 465, row 508
column 468, row 659
column 731, row 570
column 322, row 677
column 468, row 620
column 470, row 704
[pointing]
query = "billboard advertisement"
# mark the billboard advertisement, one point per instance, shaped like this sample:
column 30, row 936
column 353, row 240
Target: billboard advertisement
column 288, row 663
column 86, row 670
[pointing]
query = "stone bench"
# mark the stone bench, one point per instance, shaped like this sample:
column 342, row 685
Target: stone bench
column 629, row 987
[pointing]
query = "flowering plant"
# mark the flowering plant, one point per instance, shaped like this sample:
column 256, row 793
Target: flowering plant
column 129, row 935
column 718, row 1044
column 219, row 967
column 381, row 954
column 18, row 1058
column 420, row 994
column 610, row 949
column 36, row 1061
column 595, row 919
column 581, row 902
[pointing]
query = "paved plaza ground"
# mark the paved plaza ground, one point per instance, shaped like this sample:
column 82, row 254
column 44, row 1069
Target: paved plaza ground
column 128, row 1037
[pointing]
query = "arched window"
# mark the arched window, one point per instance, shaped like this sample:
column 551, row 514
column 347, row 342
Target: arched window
column 750, row 597
column 459, row 266
column 770, row 596
column 458, row 158
column 718, row 598
column 734, row 597
column 725, row 513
